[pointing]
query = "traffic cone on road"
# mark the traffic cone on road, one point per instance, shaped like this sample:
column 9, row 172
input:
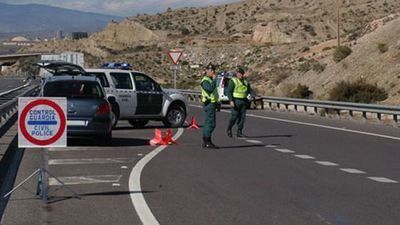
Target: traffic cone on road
column 158, row 139
column 193, row 124
column 168, row 138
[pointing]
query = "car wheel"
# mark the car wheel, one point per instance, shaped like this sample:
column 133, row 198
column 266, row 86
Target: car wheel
column 114, row 115
column 175, row 117
column 138, row 123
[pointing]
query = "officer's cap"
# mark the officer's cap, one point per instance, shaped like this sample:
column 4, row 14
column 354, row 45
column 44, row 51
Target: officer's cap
column 241, row 70
column 211, row 67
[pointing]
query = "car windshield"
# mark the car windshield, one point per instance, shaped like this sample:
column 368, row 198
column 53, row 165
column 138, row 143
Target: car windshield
column 73, row 89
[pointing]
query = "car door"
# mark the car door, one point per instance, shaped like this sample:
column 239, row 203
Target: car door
column 124, row 93
column 149, row 95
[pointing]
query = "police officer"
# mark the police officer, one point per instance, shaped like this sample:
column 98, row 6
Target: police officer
column 209, row 97
column 237, row 92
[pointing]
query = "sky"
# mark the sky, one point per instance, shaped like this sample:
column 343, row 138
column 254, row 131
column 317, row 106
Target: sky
column 121, row 7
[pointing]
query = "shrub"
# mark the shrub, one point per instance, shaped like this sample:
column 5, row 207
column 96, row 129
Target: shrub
column 382, row 48
column 341, row 53
column 185, row 31
column 301, row 91
column 358, row 91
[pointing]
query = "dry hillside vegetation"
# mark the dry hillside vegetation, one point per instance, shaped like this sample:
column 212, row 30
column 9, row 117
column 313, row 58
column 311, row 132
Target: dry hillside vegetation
column 283, row 42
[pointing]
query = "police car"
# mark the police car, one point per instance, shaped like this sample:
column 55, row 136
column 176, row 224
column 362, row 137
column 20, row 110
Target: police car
column 136, row 97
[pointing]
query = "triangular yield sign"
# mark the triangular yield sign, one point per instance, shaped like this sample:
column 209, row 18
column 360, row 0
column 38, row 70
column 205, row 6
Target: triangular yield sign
column 175, row 56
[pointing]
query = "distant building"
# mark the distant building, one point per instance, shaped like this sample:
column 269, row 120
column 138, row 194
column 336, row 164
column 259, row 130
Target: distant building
column 59, row 35
column 79, row 35
column 19, row 41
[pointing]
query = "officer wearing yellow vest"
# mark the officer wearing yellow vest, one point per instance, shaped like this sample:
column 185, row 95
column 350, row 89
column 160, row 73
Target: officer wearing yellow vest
column 237, row 91
column 209, row 97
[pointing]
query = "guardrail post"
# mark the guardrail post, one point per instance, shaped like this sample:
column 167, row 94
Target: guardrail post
column 287, row 107
column 337, row 113
column 378, row 118
column 305, row 109
column 395, row 120
column 364, row 115
column 295, row 108
column 278, row 105
column 351, row 114
column 316, row 110
column 270, row 105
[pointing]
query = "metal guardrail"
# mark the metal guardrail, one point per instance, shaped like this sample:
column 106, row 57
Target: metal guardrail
column 322, row 107
column 9, row 108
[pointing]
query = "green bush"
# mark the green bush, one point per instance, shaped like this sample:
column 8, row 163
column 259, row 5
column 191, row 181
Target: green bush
column 358, row 91
column 301, row 91
column 382, row 48
column 341, row 53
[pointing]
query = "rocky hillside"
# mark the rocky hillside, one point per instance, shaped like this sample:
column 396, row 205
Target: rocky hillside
column 283, row 42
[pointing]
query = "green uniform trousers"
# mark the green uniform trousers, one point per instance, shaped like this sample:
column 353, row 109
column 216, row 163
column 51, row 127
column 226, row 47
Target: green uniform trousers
column 210, row 117
column 238, row 114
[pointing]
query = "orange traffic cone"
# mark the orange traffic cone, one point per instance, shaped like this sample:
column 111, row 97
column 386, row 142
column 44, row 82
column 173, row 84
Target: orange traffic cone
column 168, row 138
column 158, row 139
column 193, row 124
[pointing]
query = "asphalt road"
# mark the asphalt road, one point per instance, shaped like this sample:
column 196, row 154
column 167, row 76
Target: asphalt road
column 292, row 169
column 10, row 83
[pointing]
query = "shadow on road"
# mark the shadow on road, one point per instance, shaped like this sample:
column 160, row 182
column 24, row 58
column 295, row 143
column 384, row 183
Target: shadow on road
column 115, row 142
column 240, row 146
column 271, row 136
column 56, row 199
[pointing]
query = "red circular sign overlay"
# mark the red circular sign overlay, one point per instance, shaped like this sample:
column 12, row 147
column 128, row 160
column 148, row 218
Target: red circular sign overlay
column 25, row 132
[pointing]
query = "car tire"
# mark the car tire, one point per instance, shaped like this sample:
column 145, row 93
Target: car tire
column 176, row 116
column 138, row 123
column 115, row 115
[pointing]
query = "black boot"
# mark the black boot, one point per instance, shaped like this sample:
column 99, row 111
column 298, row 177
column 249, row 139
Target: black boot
column 204, row 145
column 240, row 134
column 229, row 132
column 209, row 144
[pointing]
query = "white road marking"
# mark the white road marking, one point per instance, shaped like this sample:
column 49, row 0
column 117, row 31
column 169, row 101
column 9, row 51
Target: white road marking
column 271, row 146
column 317, row 125
column 85, row 180
column 284, row 150
column 116, row 185
column 88, row 161
column 383, row 180
column 304, row 156
column 326, row 163
column 140, row 154
column 254, row 141
column 124, row 167
column 138, row 201
column 353, row 171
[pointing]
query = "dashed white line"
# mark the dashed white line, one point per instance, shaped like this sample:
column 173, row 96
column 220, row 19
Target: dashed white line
column 383, row 180
column 88, row 161
column 326, row 163
column 124, row 167
column 353, row 171
column 254, row 141
column 271, row 146
column 304, row 156
column 138, row 201
column 284, row 150
column 116, row 185
column 85, row 180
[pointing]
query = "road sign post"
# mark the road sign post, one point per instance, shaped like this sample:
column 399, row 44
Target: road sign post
column 175, row 55
column 42, row 124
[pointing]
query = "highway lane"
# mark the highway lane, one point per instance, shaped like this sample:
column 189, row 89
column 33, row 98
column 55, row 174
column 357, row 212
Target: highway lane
column 284, row 173
column 98, row 172
column 10, row 83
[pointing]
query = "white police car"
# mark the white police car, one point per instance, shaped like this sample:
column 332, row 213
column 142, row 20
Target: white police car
column 139, row 99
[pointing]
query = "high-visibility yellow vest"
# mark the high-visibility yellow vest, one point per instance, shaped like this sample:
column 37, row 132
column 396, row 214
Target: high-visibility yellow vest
column 241, row 88
column 213, row 97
